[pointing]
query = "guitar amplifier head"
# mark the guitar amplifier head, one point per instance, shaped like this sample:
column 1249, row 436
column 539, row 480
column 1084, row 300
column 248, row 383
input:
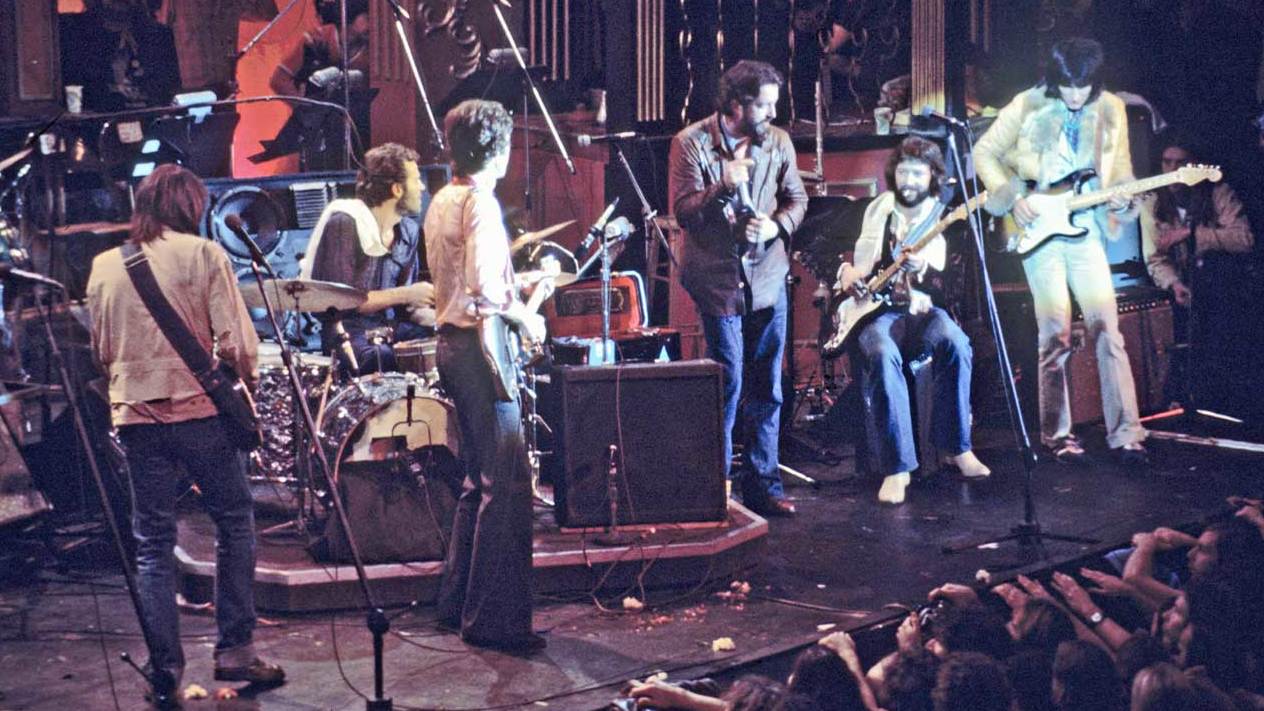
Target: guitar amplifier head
column 575, row 309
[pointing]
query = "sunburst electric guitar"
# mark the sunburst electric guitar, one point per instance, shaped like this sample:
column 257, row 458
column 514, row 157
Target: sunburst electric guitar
column 1056, row 206
column 857, row 311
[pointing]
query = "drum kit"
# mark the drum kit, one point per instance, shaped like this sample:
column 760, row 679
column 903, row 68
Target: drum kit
column 385, row 417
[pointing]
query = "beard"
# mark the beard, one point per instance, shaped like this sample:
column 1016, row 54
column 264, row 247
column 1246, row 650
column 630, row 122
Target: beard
column 911, row 197
column 756, row 132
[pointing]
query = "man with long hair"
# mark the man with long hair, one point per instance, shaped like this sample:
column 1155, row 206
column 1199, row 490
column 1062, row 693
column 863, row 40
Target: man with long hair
column 914, row 174
column 1068, row 123
column 165, row 419
column 371, row 242
column 735, row 189
column 485, row 591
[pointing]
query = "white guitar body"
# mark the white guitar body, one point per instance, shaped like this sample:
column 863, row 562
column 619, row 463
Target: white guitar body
column 850, row 317
column 1053, row 219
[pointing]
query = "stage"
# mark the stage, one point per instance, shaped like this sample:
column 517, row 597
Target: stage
column 842, row 561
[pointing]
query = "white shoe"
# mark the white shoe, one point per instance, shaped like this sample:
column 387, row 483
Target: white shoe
column 969, row 465
column 892, row 491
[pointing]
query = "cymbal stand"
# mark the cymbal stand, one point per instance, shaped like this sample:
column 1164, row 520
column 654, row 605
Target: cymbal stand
column 532, row 422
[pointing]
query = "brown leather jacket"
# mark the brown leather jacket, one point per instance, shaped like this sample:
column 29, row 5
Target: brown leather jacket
column 710, row 269
column 149, row 382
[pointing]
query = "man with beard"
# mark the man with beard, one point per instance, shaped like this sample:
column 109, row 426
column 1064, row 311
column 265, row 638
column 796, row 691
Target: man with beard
column 370, row 242
column 735, row 190
column 912, row 328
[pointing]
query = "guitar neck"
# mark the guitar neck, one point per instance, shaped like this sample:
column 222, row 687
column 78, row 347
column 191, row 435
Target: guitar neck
column 1144, row 185
column 538, row 296
column 959, row 213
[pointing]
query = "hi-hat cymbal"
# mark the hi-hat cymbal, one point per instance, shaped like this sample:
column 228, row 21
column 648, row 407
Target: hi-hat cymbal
column 303, row 295
column 527, row 238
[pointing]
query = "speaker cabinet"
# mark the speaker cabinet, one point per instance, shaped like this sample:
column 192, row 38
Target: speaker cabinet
column 30, row 63
column 664, row 420
column 1146, row 325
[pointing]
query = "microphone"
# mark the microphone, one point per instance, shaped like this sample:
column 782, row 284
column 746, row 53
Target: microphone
column 410, row 393
column 599, row 226
column 930, row 113
column 8, row 271
column 235, row 225
column 348, row 351
column 618, row 226
column 585, row 139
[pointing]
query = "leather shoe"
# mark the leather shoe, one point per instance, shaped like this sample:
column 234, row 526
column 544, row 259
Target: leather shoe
column 774, row 508
column 257, row 672
column 522, row 645
column 1134, row 455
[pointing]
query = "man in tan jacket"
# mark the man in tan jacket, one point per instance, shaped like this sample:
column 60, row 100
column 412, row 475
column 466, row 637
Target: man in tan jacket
column 165, row 419
column 1063, row 125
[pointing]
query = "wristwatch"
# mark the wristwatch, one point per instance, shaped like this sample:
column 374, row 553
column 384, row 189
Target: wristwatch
column 1096, row 618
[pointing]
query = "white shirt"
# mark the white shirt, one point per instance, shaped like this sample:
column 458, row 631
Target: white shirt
column 467, row 250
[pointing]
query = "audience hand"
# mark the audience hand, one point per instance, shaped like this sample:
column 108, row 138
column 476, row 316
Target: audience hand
column 1107, row 584
column 1077, row 598
column 1012, row 596
column 655, row 693
column 955, row 593
column 908, row 637
column 844, row 646
column 1035, row 589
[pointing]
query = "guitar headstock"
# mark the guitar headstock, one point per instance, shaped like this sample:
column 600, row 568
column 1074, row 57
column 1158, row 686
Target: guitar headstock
column 1195, row 174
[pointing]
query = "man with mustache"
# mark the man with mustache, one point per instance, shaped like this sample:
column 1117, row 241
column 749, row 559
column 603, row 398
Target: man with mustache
column 914, row 327
column 735, row 189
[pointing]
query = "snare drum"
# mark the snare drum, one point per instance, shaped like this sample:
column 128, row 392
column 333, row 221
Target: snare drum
column 418, row 356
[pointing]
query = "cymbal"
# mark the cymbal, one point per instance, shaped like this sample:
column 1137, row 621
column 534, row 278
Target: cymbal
column 527, row 238
column 303, row 295
column 559, row 279
column 15, row 158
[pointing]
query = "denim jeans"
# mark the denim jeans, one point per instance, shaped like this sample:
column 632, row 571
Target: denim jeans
column 154, row 452
column 884, row 344
column 749, row 348
column 486, row 582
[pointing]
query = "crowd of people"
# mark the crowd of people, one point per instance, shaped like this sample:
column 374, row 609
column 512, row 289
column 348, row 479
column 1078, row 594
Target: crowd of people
column 1170, row 623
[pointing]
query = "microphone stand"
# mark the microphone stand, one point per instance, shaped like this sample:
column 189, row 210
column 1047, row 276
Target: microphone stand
column 161, row 684
column 1028, row 534
column 376, row 620
column 266, row 29
column 400, row 16
column 535, row 91
column 648, row 213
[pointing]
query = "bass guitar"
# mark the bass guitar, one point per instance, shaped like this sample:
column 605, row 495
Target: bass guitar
column 857, row 310
column 509, row 351
column 1056, row 206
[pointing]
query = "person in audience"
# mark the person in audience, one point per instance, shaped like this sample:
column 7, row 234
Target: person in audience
column 1162, row 687
column 1232, row 549
column 821, row 674
column 969, row 681
column 909, row 681
column 1029, row 671
column 1084, row 679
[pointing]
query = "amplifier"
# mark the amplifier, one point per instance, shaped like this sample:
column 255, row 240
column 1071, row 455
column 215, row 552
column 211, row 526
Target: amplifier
column 575, row 309
column 664, row 421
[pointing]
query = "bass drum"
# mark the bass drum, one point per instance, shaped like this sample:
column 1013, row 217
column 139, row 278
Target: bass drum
column 373, row 419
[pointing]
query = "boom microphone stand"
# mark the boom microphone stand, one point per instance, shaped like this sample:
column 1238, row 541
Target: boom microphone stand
column 400, row 16
column 1028, row 534
column 376, row 620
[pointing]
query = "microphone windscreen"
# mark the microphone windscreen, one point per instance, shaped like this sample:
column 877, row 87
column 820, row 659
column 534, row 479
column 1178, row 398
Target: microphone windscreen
column 235, row 222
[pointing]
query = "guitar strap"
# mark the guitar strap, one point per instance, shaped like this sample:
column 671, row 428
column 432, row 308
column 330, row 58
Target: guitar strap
column 169, row 322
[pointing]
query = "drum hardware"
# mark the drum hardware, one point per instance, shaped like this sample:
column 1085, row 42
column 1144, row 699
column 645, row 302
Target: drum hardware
column 532, row 421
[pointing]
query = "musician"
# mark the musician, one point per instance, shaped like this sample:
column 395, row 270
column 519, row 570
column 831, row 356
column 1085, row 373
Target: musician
column 165, row 419
column 370, row 242
column 736, row 192
column 485, row 591
column 1066, row 124
column 1191, row 237
column 915, row 172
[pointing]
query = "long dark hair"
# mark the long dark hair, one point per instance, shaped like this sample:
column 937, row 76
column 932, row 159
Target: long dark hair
column 171, row 197
column 820, row 673
column 1073, row 62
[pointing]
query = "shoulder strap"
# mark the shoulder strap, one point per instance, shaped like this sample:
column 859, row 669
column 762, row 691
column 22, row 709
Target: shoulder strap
column 172, row 326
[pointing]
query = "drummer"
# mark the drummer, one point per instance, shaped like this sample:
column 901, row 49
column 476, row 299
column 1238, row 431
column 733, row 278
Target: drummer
column 370, row 242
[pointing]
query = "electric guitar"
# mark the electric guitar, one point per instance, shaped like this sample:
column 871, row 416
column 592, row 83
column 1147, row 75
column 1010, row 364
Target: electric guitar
column 507, row 350
column 856, row 311
column 1056, row 205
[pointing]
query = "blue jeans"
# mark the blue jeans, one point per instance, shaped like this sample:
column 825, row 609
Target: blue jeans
column 154, row 452
column 749, row 348
column 884, row 344
column 486, row 582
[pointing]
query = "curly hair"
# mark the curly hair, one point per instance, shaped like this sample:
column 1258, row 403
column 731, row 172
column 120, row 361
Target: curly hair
column 918, row 149
column 383, row 169
column 742, row 82
column 477, row 131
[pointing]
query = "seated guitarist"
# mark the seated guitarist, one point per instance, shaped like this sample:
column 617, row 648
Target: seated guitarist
column 485, row 591
column 1064, row 125
column 912, row 327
